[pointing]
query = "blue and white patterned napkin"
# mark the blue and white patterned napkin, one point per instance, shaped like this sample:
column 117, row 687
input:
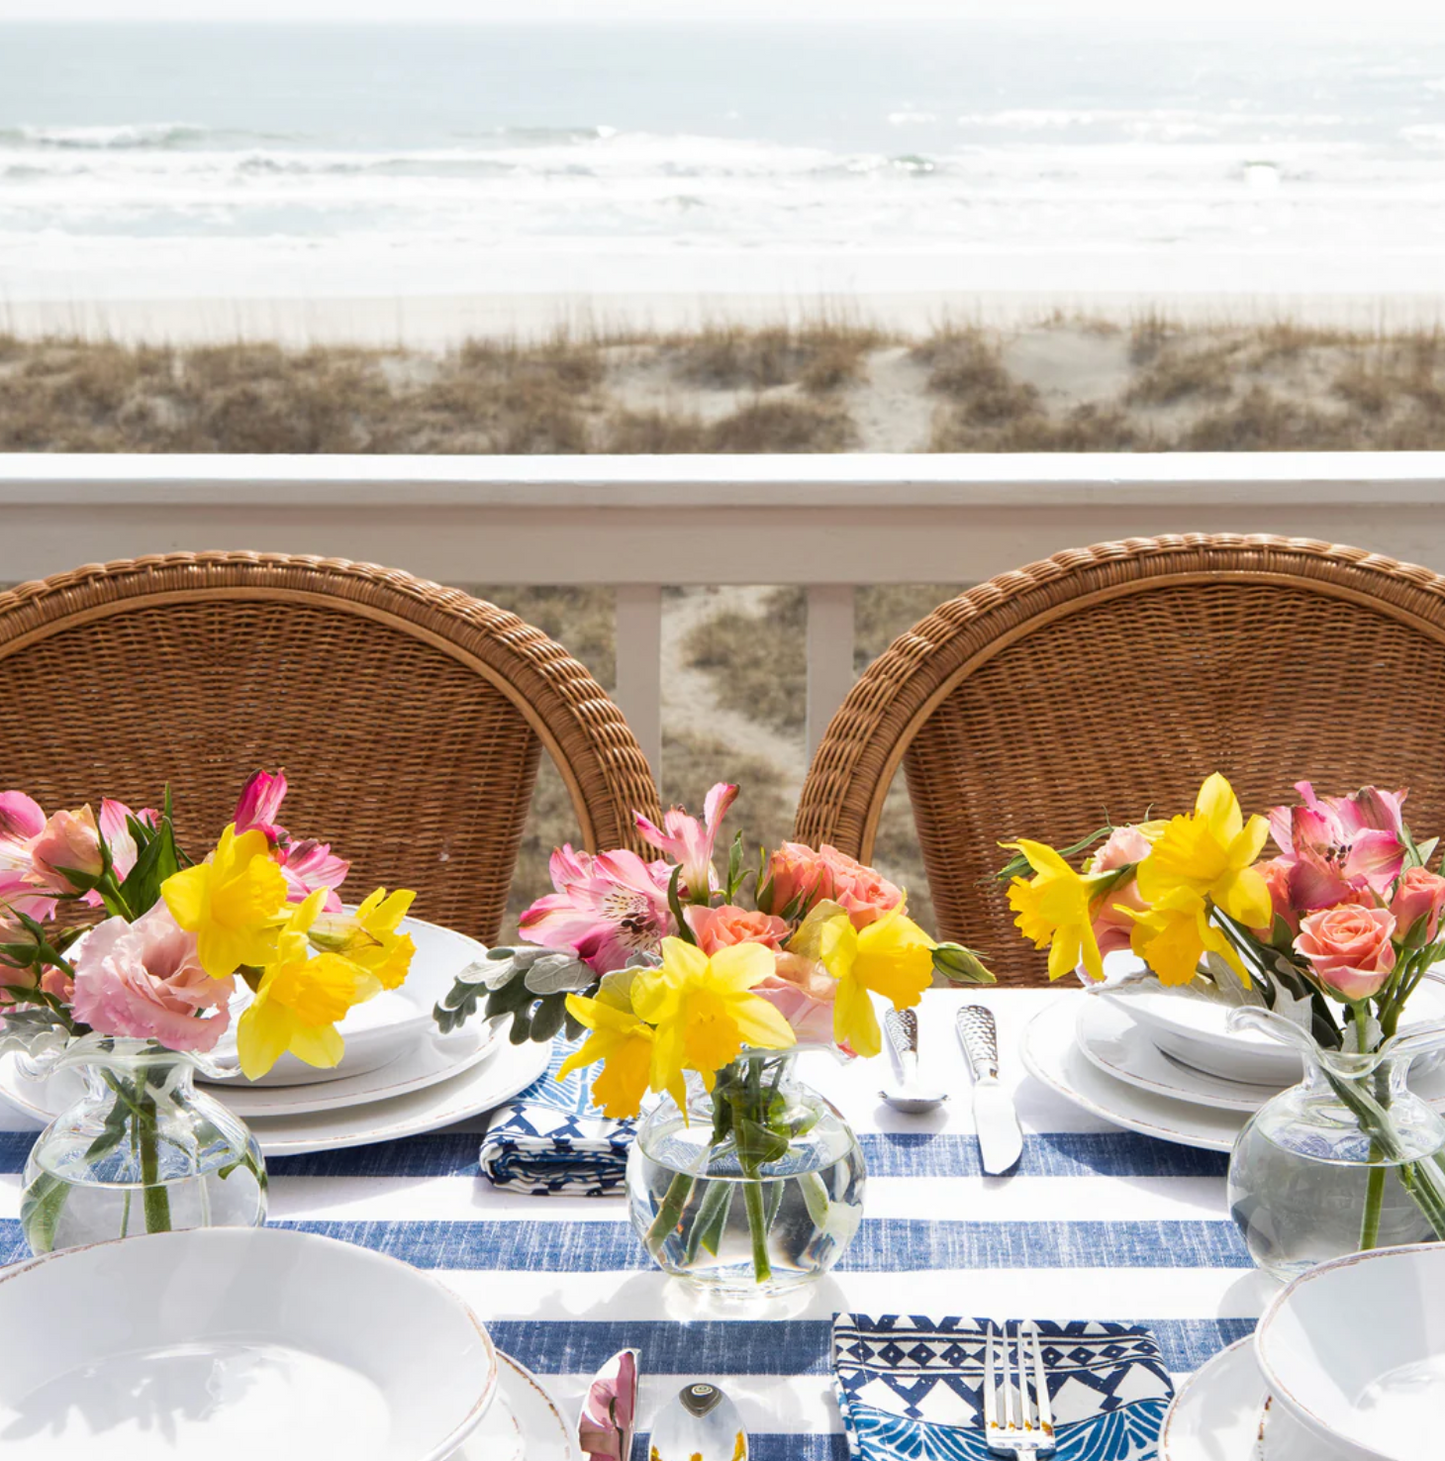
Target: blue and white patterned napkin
column 551, row 1138
column 910, row 1389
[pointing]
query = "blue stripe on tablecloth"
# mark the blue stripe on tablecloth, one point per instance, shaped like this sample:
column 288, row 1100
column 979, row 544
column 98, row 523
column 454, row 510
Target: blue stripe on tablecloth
column 883, row 1245
column 1053, row 1154
column 768, row 1347
column 775, row 1447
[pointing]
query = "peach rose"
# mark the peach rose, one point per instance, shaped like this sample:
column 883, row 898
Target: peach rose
column 863, row 893
column 1114, row 929
column 70, row 844
column 719, row 928
column 803, row 992
column 1419, row 894
column 795, row 869
column 1349, row 949
column 1275, row 873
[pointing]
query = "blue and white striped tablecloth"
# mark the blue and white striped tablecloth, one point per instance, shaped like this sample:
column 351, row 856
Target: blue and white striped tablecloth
column 1096, row 1224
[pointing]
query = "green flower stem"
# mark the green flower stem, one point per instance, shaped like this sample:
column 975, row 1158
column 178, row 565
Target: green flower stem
column 669, row 1215
column 154, row 1195
column 757, row 1224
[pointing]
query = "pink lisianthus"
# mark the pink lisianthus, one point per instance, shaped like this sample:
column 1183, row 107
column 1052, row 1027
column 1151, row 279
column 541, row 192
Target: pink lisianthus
column 719, row 928
column 1349, row 949
column 688, row 842
column 144, row 981
column 803, row 992
column 1122, row 846
column 260, row 805
column 310, row 865
column 1419, row 894
column 66, row 857
column 795, row 870
column 606, row 908
column 864, row 894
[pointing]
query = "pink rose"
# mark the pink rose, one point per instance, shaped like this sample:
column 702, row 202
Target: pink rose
column 1121, row 847
column 1276, row 875
column 144, row 980
column 66, row 856
column 719, row 928
column 1349, row 949
column 795, row 869
column 803, row 992
column 865, row 894
column 1113, row 929
column 1420, row 894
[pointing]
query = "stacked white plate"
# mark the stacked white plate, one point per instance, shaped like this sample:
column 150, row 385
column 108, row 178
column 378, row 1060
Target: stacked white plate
column 1165, row 1063
column 399, row 1076
column 1348, row 1364
column 233, row 1343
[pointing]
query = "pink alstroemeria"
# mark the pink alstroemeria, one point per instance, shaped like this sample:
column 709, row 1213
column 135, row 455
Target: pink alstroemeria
column 21, row 822
column 19, row 894
column 688, row 842
column 118, row 840
column 610, row 1409
column 260, row 805
column 606, row 908
column 310, row 865
column 1339, row 848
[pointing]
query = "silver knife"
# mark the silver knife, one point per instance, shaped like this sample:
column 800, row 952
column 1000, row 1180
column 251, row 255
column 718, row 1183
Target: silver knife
column 999, row 1139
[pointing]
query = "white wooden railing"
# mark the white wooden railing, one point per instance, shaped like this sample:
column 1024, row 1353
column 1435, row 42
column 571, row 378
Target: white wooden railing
column 639, row 523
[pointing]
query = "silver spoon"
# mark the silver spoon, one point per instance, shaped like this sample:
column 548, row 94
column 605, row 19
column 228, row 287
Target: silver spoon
column 699, row 1423
column 907, row 1093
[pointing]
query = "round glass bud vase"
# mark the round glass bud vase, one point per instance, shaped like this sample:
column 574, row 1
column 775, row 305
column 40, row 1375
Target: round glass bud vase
column 141, row 1150
column 1342, row 1162
column 754, row 1189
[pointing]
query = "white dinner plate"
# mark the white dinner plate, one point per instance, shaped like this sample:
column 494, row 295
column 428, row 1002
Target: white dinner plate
column 232, row 1344
column 1052, row 1055
column 1223, row 1412
column 383, row 1029
column 509, row 1069
column 522, row 1424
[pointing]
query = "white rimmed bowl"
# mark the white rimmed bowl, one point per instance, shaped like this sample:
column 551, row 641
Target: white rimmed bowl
column 233, row 1344
column 384, row 1028
column 1355, row 1351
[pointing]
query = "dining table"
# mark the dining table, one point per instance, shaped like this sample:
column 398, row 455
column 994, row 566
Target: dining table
column 1093, row 1223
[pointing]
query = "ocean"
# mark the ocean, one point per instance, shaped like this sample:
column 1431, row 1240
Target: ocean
column 204, row 161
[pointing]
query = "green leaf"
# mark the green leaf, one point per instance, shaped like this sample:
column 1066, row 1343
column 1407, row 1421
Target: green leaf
column 758, row 1144
column 735, row 868
column 40, row 1210
column 711, row 1219
column 1018, row 865
column 548, row 1017
column 684, row 929
column 764, row 898
column 521, row 1030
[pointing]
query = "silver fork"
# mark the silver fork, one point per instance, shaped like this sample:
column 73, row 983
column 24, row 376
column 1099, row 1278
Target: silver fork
column 1016, row 1423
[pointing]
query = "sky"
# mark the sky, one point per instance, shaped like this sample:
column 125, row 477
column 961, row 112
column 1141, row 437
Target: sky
column 1304, row 13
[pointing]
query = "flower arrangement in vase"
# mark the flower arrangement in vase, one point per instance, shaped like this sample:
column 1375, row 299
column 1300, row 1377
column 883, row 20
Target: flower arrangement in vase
column 690, row 989
column 139, row 1000
column 1322, row 946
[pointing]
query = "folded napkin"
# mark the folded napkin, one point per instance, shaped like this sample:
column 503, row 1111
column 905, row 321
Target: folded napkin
column 550, row 1138
column 911, row 1389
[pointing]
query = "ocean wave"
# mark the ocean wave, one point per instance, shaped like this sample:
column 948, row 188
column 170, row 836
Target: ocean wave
column 124, row 135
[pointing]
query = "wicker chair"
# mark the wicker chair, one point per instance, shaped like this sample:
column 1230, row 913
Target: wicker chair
column 410, row 718
column 1110, row 680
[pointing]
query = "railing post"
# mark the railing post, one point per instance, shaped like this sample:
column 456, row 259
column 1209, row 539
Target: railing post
column 639, row 666
column 830, row 654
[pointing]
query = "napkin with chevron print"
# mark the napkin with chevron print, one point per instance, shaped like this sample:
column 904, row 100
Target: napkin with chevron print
column 911, row 1389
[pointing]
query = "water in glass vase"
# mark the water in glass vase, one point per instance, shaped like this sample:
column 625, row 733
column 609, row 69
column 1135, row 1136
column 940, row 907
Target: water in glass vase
column 758, row 1189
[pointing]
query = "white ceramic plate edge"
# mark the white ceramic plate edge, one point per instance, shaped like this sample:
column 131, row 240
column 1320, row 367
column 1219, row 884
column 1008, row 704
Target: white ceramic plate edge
column 539, row 1422
column 1233, row 1365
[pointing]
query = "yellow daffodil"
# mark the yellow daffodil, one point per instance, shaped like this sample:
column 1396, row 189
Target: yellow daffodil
column 703, row 1011
column 620, row 1040
column 368, row 937
column 300, row 998
column 1200, row 858
column 892, row 956
column 234, row 903
column 1053, row 909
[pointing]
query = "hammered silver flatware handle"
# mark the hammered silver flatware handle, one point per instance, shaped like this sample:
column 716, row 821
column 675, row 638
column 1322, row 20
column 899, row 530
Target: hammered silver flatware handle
column 902, row 1028
column 978, row 1034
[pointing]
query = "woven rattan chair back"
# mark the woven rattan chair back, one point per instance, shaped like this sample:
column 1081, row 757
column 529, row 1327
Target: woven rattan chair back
column 1108, row 681
column 409, row 718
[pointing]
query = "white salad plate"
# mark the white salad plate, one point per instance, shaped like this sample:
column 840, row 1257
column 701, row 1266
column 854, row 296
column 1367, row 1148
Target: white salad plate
column 523, row 1423
column 384, row 1028
column 233, row 1344
column 1354, row 1350
column 1223, row 1412
column 506, row 1070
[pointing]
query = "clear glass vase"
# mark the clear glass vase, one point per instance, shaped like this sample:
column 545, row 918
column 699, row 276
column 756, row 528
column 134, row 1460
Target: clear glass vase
column 753, row 1189
column 140, row 1151
column 1348, row 1160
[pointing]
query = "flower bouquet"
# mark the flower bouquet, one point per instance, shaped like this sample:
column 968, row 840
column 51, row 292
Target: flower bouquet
column 686, row 991
column 1322, row 946
column 140, row 999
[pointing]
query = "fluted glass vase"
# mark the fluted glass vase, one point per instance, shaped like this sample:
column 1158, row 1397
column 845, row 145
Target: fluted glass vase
column 1348, row 1160
column 754, row 1189
column 141, row 1150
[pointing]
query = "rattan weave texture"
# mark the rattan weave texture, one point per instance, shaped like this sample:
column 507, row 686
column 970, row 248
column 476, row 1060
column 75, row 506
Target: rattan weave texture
column 409, row 717
column 1106, row 681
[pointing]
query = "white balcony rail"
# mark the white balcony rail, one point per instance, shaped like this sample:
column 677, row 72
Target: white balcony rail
column 828, row 523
